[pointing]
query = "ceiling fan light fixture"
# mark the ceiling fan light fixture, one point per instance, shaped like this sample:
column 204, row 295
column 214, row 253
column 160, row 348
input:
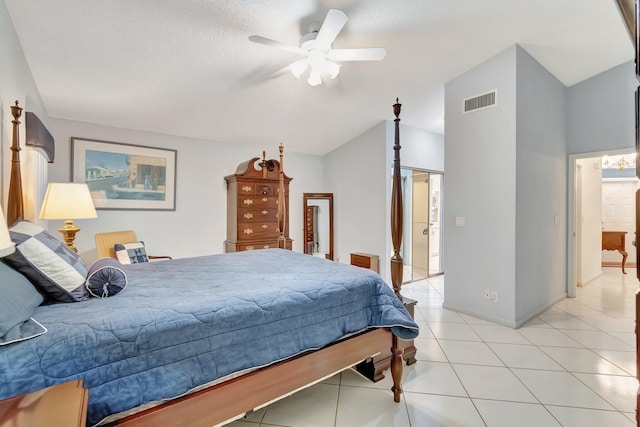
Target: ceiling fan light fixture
column 314, row 78
column 332, row 69
column 299, row 67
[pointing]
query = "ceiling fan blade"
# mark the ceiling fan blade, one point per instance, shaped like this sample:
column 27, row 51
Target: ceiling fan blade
column 363, row 54
column 332, row 25
column 277, row 44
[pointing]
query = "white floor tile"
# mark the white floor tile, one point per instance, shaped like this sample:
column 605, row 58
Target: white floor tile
column 380, row 411
column 625, row 360
column 490, row 382
column 439, row 314
column 434, row 378
column 565, row 321
column 453, row 331
column 560, row 388
column 472, row 352
column 579, row 417
column 619, row 391
column 598, row 340
column 499, row 333
column 582, row 360
column 312, row 407
column 430, row 350
column 524, row 356
column 550, row 337
column 509, row 414
column 427, row 410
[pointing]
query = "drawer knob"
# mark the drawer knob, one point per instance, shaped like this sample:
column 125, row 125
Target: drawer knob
column 246, row 188
column 265, row 212
column 264, row 199
column 248, row 230
column 266, row 246
column 248, row 215
column 248, row 248
column 264, row 226
column 248, row 201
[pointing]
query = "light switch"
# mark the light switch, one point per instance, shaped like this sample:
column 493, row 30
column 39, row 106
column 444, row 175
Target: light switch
column 556, row 220
column 459, row 221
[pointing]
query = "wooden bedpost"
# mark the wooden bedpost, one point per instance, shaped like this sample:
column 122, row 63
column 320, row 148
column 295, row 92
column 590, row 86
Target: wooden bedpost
column 15, row 204
column 396, row 259
column 282, row 211
column 396, row 208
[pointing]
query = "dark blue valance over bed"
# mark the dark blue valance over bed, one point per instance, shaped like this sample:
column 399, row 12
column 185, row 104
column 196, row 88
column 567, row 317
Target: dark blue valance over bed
column 186, row 322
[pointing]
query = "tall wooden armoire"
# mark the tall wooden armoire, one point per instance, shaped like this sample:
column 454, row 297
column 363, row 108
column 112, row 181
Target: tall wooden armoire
column 252, row 206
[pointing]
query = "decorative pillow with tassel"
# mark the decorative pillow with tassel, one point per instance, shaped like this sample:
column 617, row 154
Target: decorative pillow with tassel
column 105, row 278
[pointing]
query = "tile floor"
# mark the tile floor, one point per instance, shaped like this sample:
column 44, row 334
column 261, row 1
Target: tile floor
column 573, row 365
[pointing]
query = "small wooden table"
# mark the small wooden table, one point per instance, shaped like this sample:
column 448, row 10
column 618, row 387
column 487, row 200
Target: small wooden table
column 614, row 241
column 62, row 405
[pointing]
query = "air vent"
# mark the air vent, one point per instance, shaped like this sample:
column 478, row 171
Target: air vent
column 480, row 102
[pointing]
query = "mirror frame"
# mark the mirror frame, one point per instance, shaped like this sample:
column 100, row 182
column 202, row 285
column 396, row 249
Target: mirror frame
column 318, row 196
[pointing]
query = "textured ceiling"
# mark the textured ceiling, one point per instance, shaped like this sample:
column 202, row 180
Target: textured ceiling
column 186, row 67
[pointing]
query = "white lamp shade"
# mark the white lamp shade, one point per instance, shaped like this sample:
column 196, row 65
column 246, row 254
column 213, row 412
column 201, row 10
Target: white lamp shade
column 67, row 200
column 6, row 245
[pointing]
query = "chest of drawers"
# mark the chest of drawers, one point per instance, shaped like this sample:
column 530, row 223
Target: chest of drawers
column 252, row 207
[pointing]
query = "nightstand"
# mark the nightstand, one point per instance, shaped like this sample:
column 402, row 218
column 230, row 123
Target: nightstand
column 62, row 405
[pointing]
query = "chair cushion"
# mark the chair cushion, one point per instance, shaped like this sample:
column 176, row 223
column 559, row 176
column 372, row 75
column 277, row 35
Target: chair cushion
column 131, row 253
column 48, row 263
column 18, row 301
column 105, row 278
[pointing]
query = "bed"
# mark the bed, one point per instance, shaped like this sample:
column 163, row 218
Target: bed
column 203, row 340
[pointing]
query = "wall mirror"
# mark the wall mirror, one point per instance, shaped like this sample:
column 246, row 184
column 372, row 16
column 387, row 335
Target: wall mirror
column 318, row 224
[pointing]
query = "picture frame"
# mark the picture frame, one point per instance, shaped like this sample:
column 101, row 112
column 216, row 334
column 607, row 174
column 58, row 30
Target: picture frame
column 124, row 176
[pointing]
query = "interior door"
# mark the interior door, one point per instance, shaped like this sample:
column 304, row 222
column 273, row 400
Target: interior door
column 435, row 231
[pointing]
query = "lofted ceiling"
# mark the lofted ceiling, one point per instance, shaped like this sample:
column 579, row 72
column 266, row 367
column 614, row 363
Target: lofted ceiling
column 187, row 68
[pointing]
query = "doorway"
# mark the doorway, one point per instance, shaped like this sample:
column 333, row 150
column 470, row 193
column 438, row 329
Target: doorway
column 422, row 247
column 601, row 198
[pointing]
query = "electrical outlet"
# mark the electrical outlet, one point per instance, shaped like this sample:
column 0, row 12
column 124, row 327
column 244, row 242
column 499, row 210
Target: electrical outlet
column 494, row 296
column 487, row 295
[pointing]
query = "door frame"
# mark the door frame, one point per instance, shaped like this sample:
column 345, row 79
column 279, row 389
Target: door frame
column 572, row 220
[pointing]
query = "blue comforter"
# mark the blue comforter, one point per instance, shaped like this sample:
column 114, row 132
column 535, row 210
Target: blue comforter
column 186, row 322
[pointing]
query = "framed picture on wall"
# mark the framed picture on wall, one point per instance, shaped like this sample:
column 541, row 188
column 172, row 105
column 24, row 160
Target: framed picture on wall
column 125, row 176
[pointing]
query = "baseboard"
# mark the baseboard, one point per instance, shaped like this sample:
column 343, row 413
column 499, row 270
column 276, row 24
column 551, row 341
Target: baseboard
column 514, row 325
column 524, row 319
column 479, row 315
column 618, row 264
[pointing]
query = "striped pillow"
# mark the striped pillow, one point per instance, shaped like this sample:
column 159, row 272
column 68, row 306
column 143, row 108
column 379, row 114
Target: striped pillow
column 48, row 263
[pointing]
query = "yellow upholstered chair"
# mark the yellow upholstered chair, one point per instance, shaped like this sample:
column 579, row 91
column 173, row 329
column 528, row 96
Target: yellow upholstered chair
column 106, row 241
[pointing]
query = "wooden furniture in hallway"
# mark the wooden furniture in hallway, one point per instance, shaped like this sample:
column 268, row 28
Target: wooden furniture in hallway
column 614, row 241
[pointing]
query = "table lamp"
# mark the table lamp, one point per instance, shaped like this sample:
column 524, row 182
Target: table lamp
column 6, row 245
column 68, row 201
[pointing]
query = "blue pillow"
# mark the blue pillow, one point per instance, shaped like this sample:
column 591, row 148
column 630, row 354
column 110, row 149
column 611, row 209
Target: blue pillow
column 105, row 278
column 18, row 302
column 47, row 262
column 131, row 253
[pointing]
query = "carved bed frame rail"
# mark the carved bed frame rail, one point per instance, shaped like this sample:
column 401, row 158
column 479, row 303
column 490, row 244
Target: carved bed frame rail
column 231, row 399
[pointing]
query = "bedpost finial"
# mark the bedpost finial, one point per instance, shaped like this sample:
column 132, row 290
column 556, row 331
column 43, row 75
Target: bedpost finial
column 16, row 111
column 281, row 148
column 396, row 108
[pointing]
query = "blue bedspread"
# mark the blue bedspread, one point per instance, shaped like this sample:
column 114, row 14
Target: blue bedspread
column 186, row 322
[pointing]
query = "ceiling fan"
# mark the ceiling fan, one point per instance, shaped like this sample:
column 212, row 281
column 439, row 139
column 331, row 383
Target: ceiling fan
column 319, row 57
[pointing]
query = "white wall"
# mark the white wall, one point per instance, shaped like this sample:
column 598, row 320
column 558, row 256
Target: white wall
column 619, row 214
column 600, row 111
column 541, row 174
column 198, row 225
column 480, row 185
column 16, row 83
column 591, row 219
column 355, row 173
